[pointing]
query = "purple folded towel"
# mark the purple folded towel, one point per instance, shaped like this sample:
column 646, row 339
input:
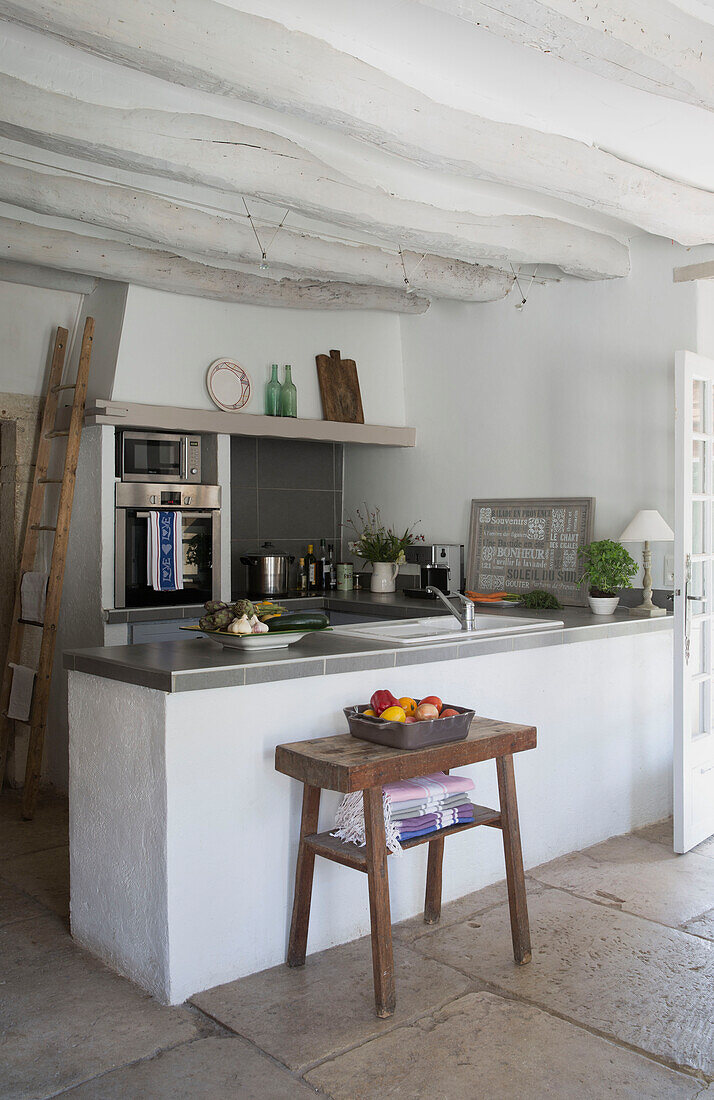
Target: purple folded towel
column 417, row 826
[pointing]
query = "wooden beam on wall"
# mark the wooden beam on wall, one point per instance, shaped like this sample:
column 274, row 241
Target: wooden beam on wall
column 176, row 419
column 690, row 272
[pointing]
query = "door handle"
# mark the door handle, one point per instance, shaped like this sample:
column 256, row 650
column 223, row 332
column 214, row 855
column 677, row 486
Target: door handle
column 190, row 514
column 687, row 580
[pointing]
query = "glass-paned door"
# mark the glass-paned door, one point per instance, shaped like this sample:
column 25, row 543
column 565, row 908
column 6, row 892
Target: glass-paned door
column 694, row 606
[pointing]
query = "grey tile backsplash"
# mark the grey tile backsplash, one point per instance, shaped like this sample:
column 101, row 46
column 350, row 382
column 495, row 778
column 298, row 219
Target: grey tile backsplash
column 286, row 492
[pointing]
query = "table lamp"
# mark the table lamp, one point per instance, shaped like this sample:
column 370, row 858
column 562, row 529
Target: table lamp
column 647, row 526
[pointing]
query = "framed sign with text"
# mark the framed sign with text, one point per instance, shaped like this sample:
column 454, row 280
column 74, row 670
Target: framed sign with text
column 518, row 545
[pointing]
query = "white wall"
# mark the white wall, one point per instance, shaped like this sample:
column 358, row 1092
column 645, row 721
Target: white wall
column 571, row 396
column 29, row 317
column 169, row 341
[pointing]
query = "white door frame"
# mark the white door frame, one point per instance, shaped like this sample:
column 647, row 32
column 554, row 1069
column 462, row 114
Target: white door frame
column 694, row 618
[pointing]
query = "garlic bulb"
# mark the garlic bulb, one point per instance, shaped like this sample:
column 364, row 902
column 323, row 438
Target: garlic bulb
column 240, row 626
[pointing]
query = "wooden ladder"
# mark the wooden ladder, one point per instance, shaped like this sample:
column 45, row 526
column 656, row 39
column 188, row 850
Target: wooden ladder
column 73, row 437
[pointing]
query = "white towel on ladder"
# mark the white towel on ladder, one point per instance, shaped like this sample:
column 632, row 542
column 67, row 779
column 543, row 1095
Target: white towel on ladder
column 23, row 682
column 33, row 593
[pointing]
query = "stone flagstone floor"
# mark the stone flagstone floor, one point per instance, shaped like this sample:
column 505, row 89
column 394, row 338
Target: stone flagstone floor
column 617, row 1002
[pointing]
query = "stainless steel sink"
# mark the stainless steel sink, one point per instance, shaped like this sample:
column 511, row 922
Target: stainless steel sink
column 443, row 628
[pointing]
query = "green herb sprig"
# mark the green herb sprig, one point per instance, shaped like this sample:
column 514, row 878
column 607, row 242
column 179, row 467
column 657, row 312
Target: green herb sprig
column 374, row 541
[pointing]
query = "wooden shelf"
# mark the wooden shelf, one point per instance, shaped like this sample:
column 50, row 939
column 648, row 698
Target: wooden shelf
column 173, row 419
column 351, row 855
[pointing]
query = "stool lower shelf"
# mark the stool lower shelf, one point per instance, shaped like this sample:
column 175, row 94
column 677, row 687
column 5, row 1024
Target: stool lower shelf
column 351, row 855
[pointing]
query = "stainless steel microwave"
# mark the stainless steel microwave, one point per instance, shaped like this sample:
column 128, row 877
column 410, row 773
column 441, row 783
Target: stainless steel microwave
column 158, row 456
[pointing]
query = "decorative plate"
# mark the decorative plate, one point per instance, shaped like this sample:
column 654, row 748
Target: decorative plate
column 228, row 385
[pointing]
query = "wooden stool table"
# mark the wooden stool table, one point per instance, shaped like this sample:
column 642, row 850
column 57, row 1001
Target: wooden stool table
column 345, row 764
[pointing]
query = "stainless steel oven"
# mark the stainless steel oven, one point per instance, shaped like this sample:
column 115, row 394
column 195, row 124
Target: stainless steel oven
column 158, row 456
column 200, row 507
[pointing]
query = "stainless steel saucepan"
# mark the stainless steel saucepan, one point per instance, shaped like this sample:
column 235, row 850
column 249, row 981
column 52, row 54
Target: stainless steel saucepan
column 267, row 573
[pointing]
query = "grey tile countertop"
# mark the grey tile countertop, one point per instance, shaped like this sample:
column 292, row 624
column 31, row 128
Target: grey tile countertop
column 199, row 663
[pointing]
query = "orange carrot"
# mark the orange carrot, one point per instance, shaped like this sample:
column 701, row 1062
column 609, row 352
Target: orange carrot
column 486, row 595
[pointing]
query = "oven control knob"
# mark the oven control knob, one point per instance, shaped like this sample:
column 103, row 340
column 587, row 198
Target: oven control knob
column 194, row 471
column 187, row 500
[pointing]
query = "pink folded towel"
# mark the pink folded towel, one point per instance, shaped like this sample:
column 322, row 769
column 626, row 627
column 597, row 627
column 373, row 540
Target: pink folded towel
column 430, row 788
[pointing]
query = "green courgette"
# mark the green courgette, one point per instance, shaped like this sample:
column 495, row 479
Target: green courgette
column 298, row 620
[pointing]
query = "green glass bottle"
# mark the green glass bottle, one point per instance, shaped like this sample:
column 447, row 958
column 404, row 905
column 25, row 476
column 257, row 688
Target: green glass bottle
column 288, row 394
column 272, row 393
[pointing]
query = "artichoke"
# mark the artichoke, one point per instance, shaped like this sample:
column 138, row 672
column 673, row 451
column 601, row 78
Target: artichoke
column 223, row 618
column 215, row 605
column 241, row 608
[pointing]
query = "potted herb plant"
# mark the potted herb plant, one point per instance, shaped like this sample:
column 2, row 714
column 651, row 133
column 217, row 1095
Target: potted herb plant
column 382, row 546
column 608, row 569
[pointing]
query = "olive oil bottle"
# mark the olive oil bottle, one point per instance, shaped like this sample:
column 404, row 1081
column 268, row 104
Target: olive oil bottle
column 311, row 569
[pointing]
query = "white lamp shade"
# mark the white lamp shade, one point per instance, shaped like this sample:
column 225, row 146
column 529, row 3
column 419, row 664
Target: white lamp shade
column 647, row 526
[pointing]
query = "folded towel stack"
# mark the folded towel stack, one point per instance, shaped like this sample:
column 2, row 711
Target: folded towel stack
column 412, row 807
column 431, row 802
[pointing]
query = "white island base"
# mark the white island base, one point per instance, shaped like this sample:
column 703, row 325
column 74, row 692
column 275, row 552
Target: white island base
column 183, row 837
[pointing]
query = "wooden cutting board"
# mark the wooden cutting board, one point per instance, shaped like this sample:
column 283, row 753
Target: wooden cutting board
column 339, row 389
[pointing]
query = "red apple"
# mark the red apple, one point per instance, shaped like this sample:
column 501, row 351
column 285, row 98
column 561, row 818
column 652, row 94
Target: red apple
column 448, row 713
column 426, row 712
column 410, row 718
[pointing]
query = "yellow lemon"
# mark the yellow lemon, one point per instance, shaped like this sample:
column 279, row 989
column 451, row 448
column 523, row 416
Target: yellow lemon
column 393, row 714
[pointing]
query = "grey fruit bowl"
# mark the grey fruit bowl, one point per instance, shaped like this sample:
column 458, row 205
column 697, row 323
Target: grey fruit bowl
column 410, row 735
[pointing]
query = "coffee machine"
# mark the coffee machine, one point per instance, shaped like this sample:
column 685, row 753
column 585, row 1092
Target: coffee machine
column 441, row 564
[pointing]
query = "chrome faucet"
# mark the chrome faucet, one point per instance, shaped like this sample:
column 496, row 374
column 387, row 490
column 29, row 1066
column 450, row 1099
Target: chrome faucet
column 467, row 620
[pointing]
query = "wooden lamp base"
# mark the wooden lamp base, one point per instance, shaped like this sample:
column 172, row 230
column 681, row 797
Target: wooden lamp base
column 647, row 609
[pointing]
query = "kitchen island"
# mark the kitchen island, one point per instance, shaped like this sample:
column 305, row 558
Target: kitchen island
column 183, row 837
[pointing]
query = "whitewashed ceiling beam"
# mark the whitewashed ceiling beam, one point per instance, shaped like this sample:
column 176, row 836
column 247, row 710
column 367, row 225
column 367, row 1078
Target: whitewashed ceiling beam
column 649, row 44
column 216, row 48
column 185, row 229
column 241, row 159
column 27, row 243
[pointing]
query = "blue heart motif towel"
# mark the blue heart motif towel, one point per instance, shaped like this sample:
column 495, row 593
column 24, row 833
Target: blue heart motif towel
column 164, row 551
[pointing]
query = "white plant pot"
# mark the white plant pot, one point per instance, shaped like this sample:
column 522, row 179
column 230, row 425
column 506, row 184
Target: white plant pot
column 384, row 574
column 603, row 605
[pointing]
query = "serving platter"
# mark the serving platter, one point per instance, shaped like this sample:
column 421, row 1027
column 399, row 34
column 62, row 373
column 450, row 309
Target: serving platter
column 277, row 640
column 498, row 603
